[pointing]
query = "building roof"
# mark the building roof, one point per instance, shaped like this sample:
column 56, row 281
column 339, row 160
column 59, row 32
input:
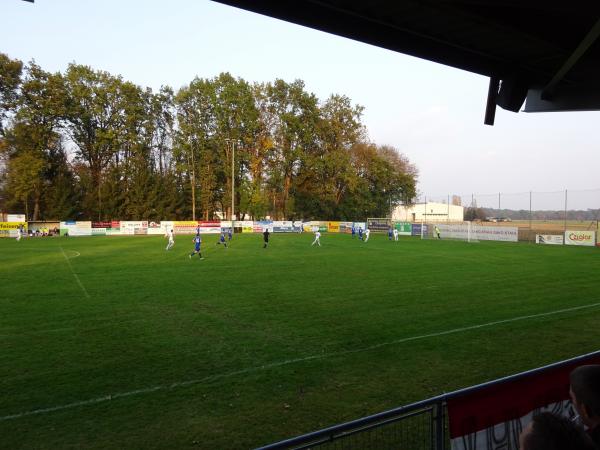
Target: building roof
column 545, row 51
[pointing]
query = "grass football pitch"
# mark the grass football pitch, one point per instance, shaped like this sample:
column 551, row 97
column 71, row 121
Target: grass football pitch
column 113, row 342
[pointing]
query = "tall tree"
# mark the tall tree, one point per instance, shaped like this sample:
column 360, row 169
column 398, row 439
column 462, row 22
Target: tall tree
column 10, row 80
column 35, row 131
column 236, row 126
column 193, row 148
column 25, row 178
column 294, row 121
column 93, row 117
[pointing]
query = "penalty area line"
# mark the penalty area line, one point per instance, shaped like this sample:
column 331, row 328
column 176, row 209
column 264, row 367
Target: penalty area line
column 85, row 292
column 284, row 363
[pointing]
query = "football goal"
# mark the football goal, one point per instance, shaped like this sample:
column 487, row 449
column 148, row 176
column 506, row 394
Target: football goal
column 466, row 231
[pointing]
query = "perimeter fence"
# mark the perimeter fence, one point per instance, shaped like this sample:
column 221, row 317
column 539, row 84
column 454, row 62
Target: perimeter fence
column 427, row 424
column 532, row 212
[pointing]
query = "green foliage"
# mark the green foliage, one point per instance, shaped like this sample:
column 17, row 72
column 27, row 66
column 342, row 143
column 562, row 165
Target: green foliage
column 474, row 213
column 136, row 154
column 10, row 79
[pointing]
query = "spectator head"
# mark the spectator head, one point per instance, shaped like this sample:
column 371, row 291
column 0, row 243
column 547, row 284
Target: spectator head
column 547, row 431
column 585, row 393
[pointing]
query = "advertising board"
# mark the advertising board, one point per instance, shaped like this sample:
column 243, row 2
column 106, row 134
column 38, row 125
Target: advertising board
column 283, row 226
column 550, row 239
column 333, row 227
column 129, row 227
column 404, row 228
column 10, row 229
column 379, row 224
column 211, row 227
column 263, row 225
column 417, row 227
column 247, row 226
column 156, row 228
column 579, row 237
column 360, row 225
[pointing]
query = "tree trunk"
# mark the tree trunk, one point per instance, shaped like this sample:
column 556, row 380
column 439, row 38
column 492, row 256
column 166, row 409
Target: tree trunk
column 286, row 191
column 36, row 206
column 193, row 183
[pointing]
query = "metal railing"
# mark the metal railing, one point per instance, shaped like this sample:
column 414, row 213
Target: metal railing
column 422, row 425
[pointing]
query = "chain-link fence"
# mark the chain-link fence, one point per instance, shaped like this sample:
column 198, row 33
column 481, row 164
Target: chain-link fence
column 532, row 212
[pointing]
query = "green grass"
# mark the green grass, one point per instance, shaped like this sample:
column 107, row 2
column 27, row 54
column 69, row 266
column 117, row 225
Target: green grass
column 238, row 325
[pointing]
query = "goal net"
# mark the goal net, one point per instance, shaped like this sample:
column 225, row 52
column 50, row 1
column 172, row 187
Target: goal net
column 379, row 224
column 466, row 231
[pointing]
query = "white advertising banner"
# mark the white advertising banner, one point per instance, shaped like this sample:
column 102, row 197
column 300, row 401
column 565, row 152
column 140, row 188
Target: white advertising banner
column 457, row 231
column 134, row 227
column 550, row 239
column 579, row 237
column 478, row 232
column 76, row 228
column 507, row 234
column 213, row 227
column 155, row 228
column 15, row 218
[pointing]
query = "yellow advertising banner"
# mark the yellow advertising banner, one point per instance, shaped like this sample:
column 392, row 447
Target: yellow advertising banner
column 186, row 223
column 333, row 227
column 12, row 225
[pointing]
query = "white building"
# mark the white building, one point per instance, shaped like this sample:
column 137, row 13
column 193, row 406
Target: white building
column 429, row 212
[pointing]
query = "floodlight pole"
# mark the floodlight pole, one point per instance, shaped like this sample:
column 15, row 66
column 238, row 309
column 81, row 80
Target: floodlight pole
column 531, row 237
column 232, row 142
column 232, row 181
column 565, row 209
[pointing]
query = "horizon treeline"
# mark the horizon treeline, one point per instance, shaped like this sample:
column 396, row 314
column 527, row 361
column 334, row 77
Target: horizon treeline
column 86, row 144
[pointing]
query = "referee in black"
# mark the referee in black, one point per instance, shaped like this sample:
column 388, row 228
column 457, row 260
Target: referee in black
column 266, row 237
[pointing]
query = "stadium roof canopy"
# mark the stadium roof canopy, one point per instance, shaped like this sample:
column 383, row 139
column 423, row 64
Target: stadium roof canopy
column 542, row 51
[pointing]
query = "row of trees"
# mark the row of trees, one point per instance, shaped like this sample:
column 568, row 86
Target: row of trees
column 475, row 213
column 86, row 144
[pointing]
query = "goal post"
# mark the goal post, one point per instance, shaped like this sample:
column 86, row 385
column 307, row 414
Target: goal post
column 465, row 231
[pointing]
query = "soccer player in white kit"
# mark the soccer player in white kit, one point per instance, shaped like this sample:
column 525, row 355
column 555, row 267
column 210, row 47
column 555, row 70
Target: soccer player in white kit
column 396, row 233
column 317, row 237
column 171, row 240
column 367, row 233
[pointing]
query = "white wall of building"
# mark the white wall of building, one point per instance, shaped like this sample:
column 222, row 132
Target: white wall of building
column 429, row 212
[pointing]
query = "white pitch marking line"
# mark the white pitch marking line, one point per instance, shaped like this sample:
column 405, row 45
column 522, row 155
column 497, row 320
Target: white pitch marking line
column 87, row 295
column 78, row 254
column 284, row 363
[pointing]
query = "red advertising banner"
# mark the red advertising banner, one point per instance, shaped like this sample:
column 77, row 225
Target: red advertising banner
column 213, row 224
column 493, row 417
column 102, row 225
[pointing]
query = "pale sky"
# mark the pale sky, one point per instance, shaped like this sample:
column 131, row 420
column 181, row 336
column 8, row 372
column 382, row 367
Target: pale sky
column 431, row 113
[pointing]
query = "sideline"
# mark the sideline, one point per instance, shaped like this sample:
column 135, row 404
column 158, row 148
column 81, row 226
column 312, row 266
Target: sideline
column 283, row 363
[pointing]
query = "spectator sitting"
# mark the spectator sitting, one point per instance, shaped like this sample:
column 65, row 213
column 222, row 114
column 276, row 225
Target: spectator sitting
column 547, row 431
column 585, row 395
